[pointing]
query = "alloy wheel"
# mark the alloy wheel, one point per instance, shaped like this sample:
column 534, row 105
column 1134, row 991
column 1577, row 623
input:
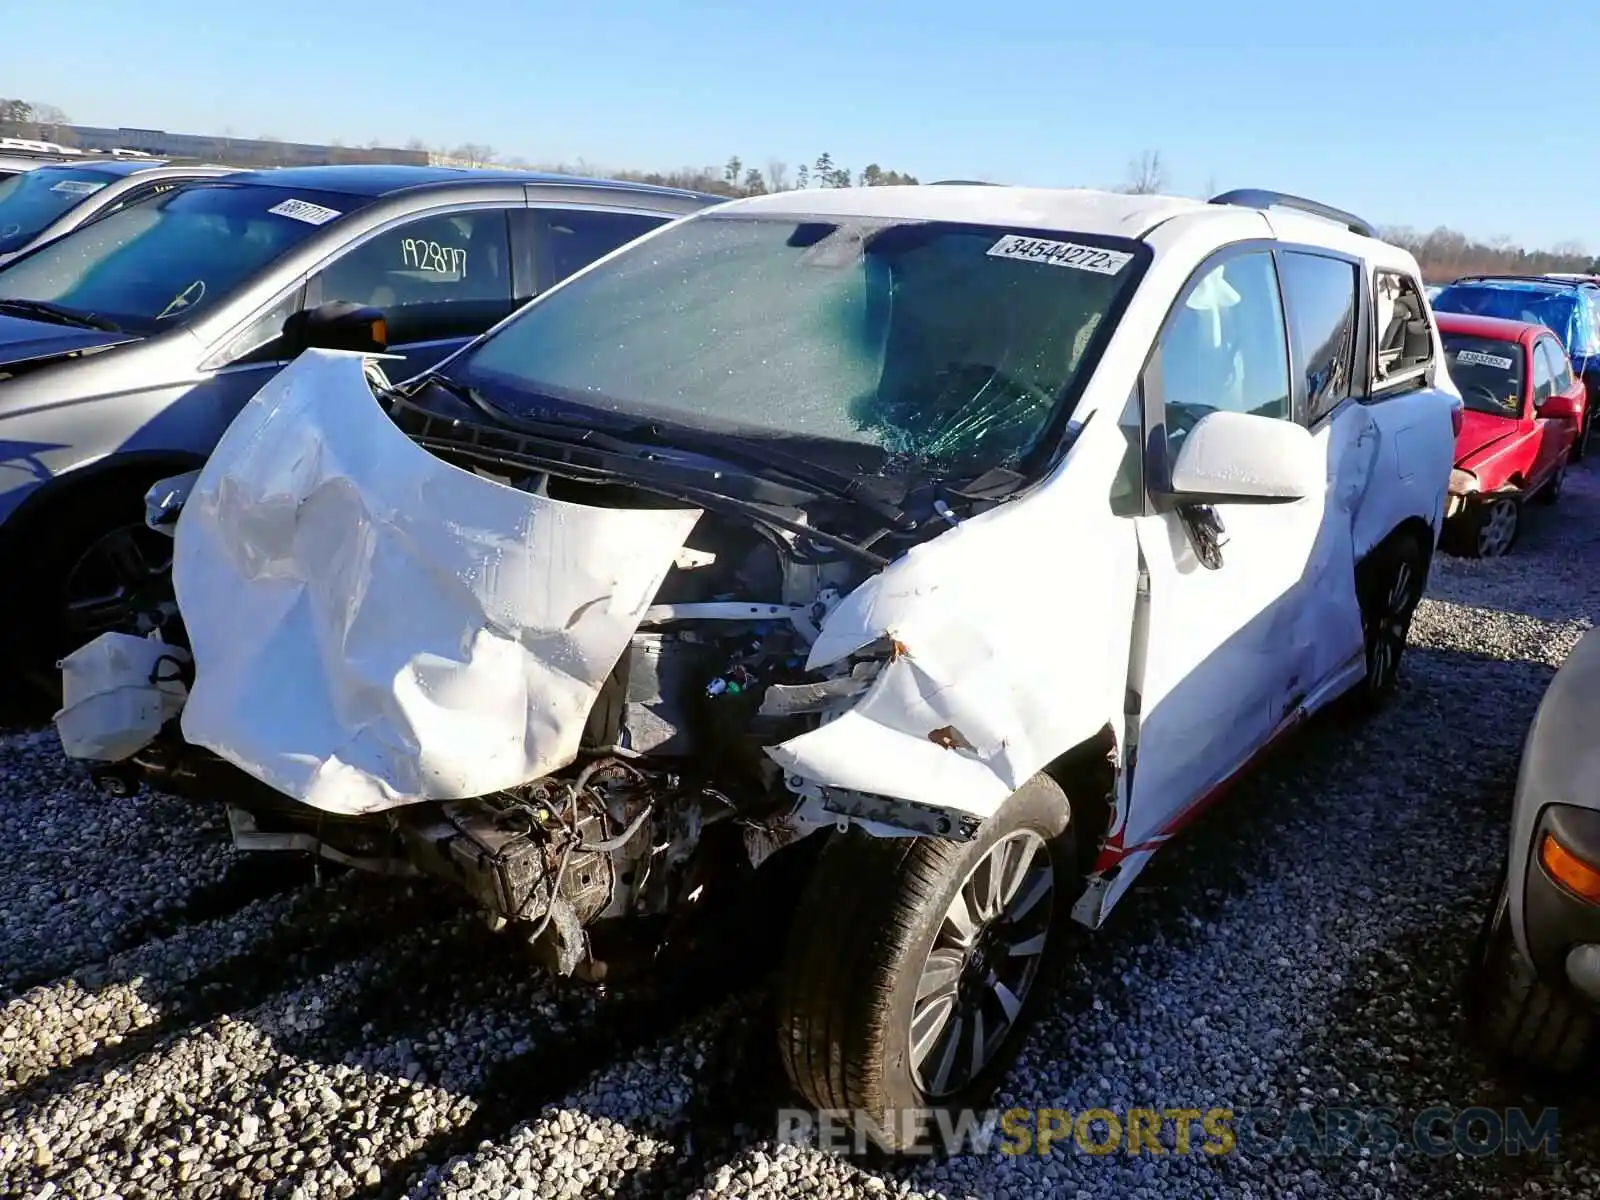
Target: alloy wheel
column 1389, row 625
column 984, row 960
column 1498, row 528
column 122, row 582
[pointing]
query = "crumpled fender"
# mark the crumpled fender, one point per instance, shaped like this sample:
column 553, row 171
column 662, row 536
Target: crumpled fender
column 1010, row 635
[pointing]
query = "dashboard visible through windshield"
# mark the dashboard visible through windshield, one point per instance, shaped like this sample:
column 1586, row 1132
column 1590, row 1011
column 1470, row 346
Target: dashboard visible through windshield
column 156, row 264
column 871, row 345
column 1488, row 373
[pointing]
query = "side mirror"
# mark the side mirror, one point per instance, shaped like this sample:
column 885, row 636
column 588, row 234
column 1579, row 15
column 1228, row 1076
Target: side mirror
column 336, row 325
column 1230, row 457
column 1562, row 408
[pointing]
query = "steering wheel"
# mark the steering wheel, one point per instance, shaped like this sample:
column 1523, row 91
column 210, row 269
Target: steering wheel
column 1181, row 418
column 1484, row 392
column 185, row 300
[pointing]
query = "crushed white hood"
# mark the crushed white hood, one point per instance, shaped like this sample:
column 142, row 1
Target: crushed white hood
column 373, row 627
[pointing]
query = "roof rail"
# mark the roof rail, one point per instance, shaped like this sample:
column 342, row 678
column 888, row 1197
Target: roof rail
column 1261, row 198
column 33, row 152
column 1519, row 277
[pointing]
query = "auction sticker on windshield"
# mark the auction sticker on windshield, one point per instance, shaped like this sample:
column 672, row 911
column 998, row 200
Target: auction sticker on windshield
column 1060, row 254
column 304, row 210
column 77, row 187
column 1483, row 360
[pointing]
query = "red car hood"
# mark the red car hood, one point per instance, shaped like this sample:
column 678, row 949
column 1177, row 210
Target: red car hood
column 1480, row 430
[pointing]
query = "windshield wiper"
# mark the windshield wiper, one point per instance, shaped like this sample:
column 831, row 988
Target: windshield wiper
column 604, row 431
column 612, row 434
column 825, row 480
column 59, row 314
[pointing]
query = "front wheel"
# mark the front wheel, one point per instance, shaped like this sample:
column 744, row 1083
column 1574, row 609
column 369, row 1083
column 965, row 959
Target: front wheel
column 97, row 568
column 915, row 966
column 1488, row 529
column 1514, row 1014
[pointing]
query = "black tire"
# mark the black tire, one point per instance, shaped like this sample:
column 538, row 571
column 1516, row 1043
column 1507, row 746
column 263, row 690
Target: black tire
column 863, row 933
column 1551, row 491
column 1390, row 583
column 1514, row 1014
column 41, row 632
column 1580, row 446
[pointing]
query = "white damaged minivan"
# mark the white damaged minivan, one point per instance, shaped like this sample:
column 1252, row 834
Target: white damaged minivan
column 973, row 537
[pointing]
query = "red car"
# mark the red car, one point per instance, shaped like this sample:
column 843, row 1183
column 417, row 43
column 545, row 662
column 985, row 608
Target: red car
column 1522, row 408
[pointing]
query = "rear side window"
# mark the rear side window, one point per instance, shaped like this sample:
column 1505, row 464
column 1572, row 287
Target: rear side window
column 439, row 276
column 1404, row 336
column 1544, row 372
column 1560, row 365
column 566, row 240
column 1320, row 293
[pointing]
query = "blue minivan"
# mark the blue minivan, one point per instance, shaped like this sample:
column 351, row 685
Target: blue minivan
column 1568, row 306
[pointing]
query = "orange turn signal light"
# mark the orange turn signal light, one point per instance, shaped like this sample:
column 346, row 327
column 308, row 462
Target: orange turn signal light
column 1569, row 870
column 380, row 332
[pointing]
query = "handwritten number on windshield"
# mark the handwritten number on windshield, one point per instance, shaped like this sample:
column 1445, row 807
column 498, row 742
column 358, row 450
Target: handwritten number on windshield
column 425, row 255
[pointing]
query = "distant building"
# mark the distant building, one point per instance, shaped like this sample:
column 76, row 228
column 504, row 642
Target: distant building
column 234, row 151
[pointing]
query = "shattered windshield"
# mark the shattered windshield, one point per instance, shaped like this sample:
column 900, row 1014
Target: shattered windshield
column 875, row 343
column 154, row 265
column 1488, row 373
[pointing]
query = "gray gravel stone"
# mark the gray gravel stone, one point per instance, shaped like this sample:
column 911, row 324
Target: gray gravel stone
column 175, row 1019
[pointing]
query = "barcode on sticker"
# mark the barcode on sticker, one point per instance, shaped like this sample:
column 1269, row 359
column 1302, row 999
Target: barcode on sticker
column 77, row 187
column 1484, row 360
column 304, row 210
column 1060, row 254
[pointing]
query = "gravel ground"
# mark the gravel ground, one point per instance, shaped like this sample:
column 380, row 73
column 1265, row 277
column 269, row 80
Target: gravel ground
column 181, row 1021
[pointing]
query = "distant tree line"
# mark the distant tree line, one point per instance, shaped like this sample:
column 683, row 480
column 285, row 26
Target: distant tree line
column 736, row 177
column 48, row 123
column 1444, row 254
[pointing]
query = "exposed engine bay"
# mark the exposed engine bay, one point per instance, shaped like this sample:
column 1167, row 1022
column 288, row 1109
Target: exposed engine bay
column 312, row 602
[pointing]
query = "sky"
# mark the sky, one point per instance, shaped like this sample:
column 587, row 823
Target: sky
column 1424, row 113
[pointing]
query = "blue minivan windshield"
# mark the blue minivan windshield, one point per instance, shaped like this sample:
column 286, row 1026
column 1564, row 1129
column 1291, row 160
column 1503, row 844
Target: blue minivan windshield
column 159, row 263
column 1558, row 309
column 32, row 200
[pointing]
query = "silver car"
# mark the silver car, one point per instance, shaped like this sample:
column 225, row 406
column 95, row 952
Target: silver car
column 41, row 205
column 129, row 345
column 1535, row 991
column 15, row 162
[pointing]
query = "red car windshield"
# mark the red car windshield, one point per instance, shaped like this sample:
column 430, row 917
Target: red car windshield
column 1488, row 372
